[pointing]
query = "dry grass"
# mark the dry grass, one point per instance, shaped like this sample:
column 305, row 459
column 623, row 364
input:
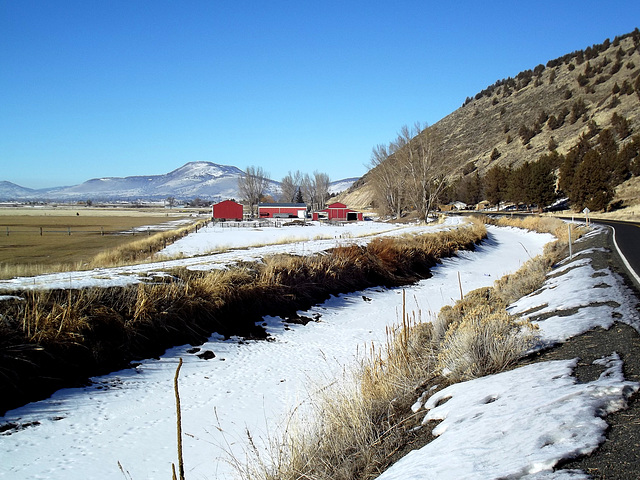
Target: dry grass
column 363, row 420
column 84, row 331
column 25, row 252
column 483, row 341
column 138, row 250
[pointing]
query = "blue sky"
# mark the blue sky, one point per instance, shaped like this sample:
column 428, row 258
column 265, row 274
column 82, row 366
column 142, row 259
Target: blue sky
column 116, row 88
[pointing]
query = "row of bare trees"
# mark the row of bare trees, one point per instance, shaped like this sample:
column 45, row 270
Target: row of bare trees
column 411, row 172
column 299, row 187
column 252, row 185
column 294, row 188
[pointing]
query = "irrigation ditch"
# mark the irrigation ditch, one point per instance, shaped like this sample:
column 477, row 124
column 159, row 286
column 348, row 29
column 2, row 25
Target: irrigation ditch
column 50, row 339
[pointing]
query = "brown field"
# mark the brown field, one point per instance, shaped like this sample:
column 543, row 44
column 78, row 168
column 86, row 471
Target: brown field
column 36, row 241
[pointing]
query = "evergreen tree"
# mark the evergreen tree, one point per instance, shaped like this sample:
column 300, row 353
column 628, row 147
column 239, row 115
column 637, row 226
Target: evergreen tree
column 620, row 125
column 495, row 185
column 541, row 189
column 517, row 184
column 592, row 184
column 570, row 163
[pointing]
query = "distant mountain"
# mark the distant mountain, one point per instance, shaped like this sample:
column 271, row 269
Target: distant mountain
column 341, row 185
column 205, row 180
column 10, row 191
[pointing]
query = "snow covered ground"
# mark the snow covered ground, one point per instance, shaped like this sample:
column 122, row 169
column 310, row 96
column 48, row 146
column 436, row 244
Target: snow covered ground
column 508, row 425
column 216, row 247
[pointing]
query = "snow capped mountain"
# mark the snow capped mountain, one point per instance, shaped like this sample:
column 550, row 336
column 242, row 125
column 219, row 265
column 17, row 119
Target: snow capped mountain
column 10, row 190
column 205, row 180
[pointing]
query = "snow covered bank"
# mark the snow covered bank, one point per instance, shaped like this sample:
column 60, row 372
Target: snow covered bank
column 128, row 416
column 521, row 423
column 215, row 247
column 514, row 425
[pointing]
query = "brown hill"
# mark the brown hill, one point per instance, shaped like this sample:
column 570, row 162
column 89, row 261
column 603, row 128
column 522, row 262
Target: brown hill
column 514, row 120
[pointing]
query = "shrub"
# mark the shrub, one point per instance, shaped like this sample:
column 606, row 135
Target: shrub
column 578, row 109
column 484, row 341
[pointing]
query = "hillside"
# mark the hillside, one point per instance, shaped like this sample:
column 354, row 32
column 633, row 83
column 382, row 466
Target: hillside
column 559, row 101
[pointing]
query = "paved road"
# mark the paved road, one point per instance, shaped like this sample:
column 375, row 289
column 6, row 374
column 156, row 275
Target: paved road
column 627, row 237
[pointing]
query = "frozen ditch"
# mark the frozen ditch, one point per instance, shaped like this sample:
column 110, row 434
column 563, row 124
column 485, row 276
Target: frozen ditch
column 128, row 417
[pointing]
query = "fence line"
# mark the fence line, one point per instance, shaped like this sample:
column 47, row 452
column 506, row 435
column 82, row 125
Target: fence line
column 254, row 224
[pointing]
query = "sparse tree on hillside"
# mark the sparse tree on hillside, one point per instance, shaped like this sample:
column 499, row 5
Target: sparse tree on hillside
column 387, row 179
column 252, row 185
column 621, row 125
column 426, row 168
column 630, row 155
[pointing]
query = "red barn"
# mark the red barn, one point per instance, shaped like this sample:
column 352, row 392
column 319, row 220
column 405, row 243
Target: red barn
column 227, row 210
column 338, row 212
column 282, row 210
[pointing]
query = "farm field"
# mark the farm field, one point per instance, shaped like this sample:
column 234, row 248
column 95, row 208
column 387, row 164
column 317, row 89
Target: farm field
column 34, row 240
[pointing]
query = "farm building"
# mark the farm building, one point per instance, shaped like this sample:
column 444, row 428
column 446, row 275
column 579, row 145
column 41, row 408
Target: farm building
column 282, row 210
column 453, row 206
column 483, row 205
column 227, row 210
column 337, row 212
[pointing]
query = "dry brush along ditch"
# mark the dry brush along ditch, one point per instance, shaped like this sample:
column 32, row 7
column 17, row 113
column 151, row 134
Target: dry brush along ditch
column 50, row 339
column 363, row 422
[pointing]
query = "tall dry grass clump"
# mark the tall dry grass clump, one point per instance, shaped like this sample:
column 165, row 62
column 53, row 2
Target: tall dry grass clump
column 483, row 341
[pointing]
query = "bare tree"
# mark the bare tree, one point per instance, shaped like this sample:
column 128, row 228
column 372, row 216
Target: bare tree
column 322, row 183
column 290, row 185
column 252, row 185
column 315, row 189
column 418, row 150
column 387, row 177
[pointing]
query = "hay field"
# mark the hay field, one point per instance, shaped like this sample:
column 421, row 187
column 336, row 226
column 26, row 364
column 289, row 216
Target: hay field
column 40, row 240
